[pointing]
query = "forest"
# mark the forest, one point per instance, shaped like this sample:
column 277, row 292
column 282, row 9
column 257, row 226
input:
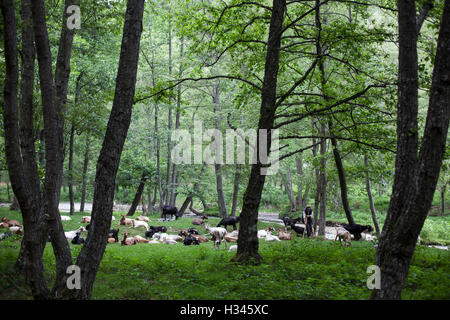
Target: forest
column 275, row 128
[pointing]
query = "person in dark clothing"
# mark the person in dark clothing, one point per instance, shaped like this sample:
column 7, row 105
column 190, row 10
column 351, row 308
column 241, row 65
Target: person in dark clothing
column 307, row 220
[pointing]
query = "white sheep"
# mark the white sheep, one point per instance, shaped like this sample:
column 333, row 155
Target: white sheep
column 218, row 235
column 137, row 224
column 233, row 248
column 270, row 237
column 72, row 234
column 65, row 218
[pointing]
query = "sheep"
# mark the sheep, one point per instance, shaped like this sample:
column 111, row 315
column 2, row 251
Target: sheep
column 154, row 229
column 72, row 234
column 232, row 236
column 218, row 235
column 10, row 223
column 197, row 237
column 192, row 231
column 298, row 230
column 233, row 248
column 174, row 237
column 114, row 235
column 4, row 225
column 199, row 221
column 284, row 235
column 86, row 219
column 169, row 241
column 229, row 221
column 65, row 218
column 190, row 240
column 142, row 218
column 78, row 239
column 127, row 241
column 270, row 237
column 169, row 210
column 139, row 239
column 289, row 221
column 16, row 230
column 137, row 224
column 343, row 234
column 264, row 232
column 124, row 221
column 357, row 229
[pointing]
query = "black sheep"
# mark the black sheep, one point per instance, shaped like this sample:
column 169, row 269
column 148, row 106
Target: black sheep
column 189, row 240
column 289, row 221
column 169, row 210
column 114, row 233
column 298, row 230
column 229, row 221
column 78, row 239
column 193, row 231
column 153, row 230
column 357, row 229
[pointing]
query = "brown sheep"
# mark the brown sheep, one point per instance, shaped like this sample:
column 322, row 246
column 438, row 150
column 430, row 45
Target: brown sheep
column 11, row 223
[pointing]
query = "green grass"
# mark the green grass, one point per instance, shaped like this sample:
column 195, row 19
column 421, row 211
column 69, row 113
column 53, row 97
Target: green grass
column 296, row 269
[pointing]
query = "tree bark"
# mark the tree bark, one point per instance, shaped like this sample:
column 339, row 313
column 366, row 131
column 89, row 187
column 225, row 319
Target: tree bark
column 70, row 173
column 84, row 179
column 288, row 186
column 323, row 182
column 31, row 243
column 138, row 196
column 237, row 176
column 299, row 198
column 248, row 240
column 108, row 161
column 369, row 194
column 415, row 176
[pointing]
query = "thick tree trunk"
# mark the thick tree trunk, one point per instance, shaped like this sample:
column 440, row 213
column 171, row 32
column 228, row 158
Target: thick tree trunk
column 287, row 181
column 415, row 176
column 138, row 196
column 185, row 205
column 53, row 146
column 443, row 200
column 31, row 243
column 369, row 194
column 108, row 162
column 248, row 240
column 84, row 179
column 317, row 179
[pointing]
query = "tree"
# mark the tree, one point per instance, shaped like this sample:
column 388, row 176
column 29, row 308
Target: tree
column 416, row 173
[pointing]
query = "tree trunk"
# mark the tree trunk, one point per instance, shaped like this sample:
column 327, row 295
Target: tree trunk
column 323, row 182
column 369, row 194
column 108, row 161
column 185, row 205
column 31, row 250
column 237, row 175
column 443, row 200
column 299, row 164
column 248, row 240
column 138, row 196
column 144, row 207
column 317, row 179
column 72, row 202
column 415, row 176
column 218, row 166
column 288, row 185
column 84, row 179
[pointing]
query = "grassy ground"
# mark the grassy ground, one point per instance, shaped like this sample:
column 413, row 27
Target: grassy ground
column 296, row 269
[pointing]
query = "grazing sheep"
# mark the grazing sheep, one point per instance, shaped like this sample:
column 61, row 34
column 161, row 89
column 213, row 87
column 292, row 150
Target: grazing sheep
column 78, row 239
column 127, row 241
column 357, row 229
column 218, row 235
column 298, row 230
column 284, row 235
column 10, row 223
column 343, row 234
column 72, row 234
column 169, row 210
column 137, row 224
column 65, row 218
column 289, row 221
column 124, row 221
column 229, row 221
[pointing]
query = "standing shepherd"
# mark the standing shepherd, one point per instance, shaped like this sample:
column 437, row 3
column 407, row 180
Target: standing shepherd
column 307, row 220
